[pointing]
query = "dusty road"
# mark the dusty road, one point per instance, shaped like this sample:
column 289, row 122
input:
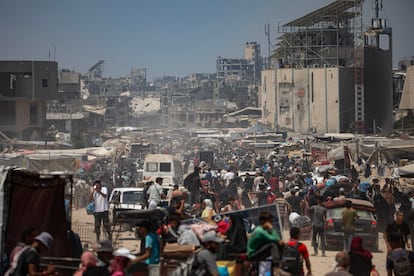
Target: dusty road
column 320, row 265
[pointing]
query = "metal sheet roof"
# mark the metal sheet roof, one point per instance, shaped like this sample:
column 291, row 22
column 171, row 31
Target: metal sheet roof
column 331, row 12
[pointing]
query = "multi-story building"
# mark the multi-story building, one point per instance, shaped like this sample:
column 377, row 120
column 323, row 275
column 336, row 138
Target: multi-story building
column 407, row 98
column 185, row 112
column 69, row 85
column 329, row 75
column 117, row 111
column 25, row 86
column 308, row 99
column 245, row 70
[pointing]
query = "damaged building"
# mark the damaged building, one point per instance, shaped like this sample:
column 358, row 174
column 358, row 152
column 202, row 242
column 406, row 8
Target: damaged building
column 329, row 74
column 25, row 86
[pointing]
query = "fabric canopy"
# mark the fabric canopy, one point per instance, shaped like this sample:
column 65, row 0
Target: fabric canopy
column 406, row 171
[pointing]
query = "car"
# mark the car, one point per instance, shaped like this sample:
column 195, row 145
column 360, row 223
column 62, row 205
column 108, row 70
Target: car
column 366, row 224
column 127, row 198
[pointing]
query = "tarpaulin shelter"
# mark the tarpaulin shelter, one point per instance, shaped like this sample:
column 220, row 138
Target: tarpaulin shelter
column 406, row 171
column 31, row 199
column 51, row 163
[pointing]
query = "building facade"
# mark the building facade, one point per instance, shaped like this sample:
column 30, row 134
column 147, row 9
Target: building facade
column 246, row 69
column 25, row 86
column 309, row 100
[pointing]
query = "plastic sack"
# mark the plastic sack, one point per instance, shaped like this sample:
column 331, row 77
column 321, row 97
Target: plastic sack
column 299, row 221
column 188, row 238
column 90, row 208
column 223, row 271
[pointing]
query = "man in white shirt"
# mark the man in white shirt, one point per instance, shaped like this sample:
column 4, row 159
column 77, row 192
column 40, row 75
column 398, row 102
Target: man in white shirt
column 228, row 177
column 257, row 181
column 155, row 193
column 100, row 197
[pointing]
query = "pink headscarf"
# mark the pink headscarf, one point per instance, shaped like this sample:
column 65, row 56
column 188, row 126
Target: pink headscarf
column 118, row 265
column 88, row 259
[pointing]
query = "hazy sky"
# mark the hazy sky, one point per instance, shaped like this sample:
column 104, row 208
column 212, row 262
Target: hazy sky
column 167, row 37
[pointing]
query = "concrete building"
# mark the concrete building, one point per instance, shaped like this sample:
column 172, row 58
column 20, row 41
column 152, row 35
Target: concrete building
column 185, row 111
column 69, row 85
column 329, row 74
column 117, row 111
column 407, row 99
column 246, row 69
column 25, row 86
column 308, row 100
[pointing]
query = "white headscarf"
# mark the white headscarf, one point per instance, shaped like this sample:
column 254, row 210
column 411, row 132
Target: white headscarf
column 208, row 203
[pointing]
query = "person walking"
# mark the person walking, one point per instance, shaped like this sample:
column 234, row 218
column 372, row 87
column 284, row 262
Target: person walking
column 193, row 183
column 361, row 259
column 398, row 226
column 399, row 260
column 349, row 217
column 295, row 201
column 318, row 226
column 100, row 197
column 295, row 265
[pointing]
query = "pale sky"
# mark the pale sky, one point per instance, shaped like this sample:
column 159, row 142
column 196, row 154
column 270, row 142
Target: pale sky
column 166, row 37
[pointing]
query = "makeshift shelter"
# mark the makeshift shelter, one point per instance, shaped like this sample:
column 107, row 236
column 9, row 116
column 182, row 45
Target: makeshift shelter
column 30, row 199
column 406, row 171
column 379, row 155
column 51, row 163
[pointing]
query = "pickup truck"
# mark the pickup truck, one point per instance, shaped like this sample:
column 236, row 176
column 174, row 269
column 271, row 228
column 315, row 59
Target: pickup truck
column 130, row 198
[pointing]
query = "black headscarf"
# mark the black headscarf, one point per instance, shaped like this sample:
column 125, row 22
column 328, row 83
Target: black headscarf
column 237, row 234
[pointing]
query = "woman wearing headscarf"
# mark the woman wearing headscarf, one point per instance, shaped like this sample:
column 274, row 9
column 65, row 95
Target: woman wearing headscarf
column 361, row 259
column 390, row 199
column 208, row 211
column 236, row 236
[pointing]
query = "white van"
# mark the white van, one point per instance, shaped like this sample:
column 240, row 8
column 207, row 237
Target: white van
column 163, row 165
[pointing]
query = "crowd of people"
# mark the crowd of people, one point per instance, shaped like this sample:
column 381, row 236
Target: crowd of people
column 303, row 191
column 204, row 213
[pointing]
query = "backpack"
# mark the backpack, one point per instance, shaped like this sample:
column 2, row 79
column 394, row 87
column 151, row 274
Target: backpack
column 12, row 270
column 292, row 261
column 402, row 264
column 198, row 268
